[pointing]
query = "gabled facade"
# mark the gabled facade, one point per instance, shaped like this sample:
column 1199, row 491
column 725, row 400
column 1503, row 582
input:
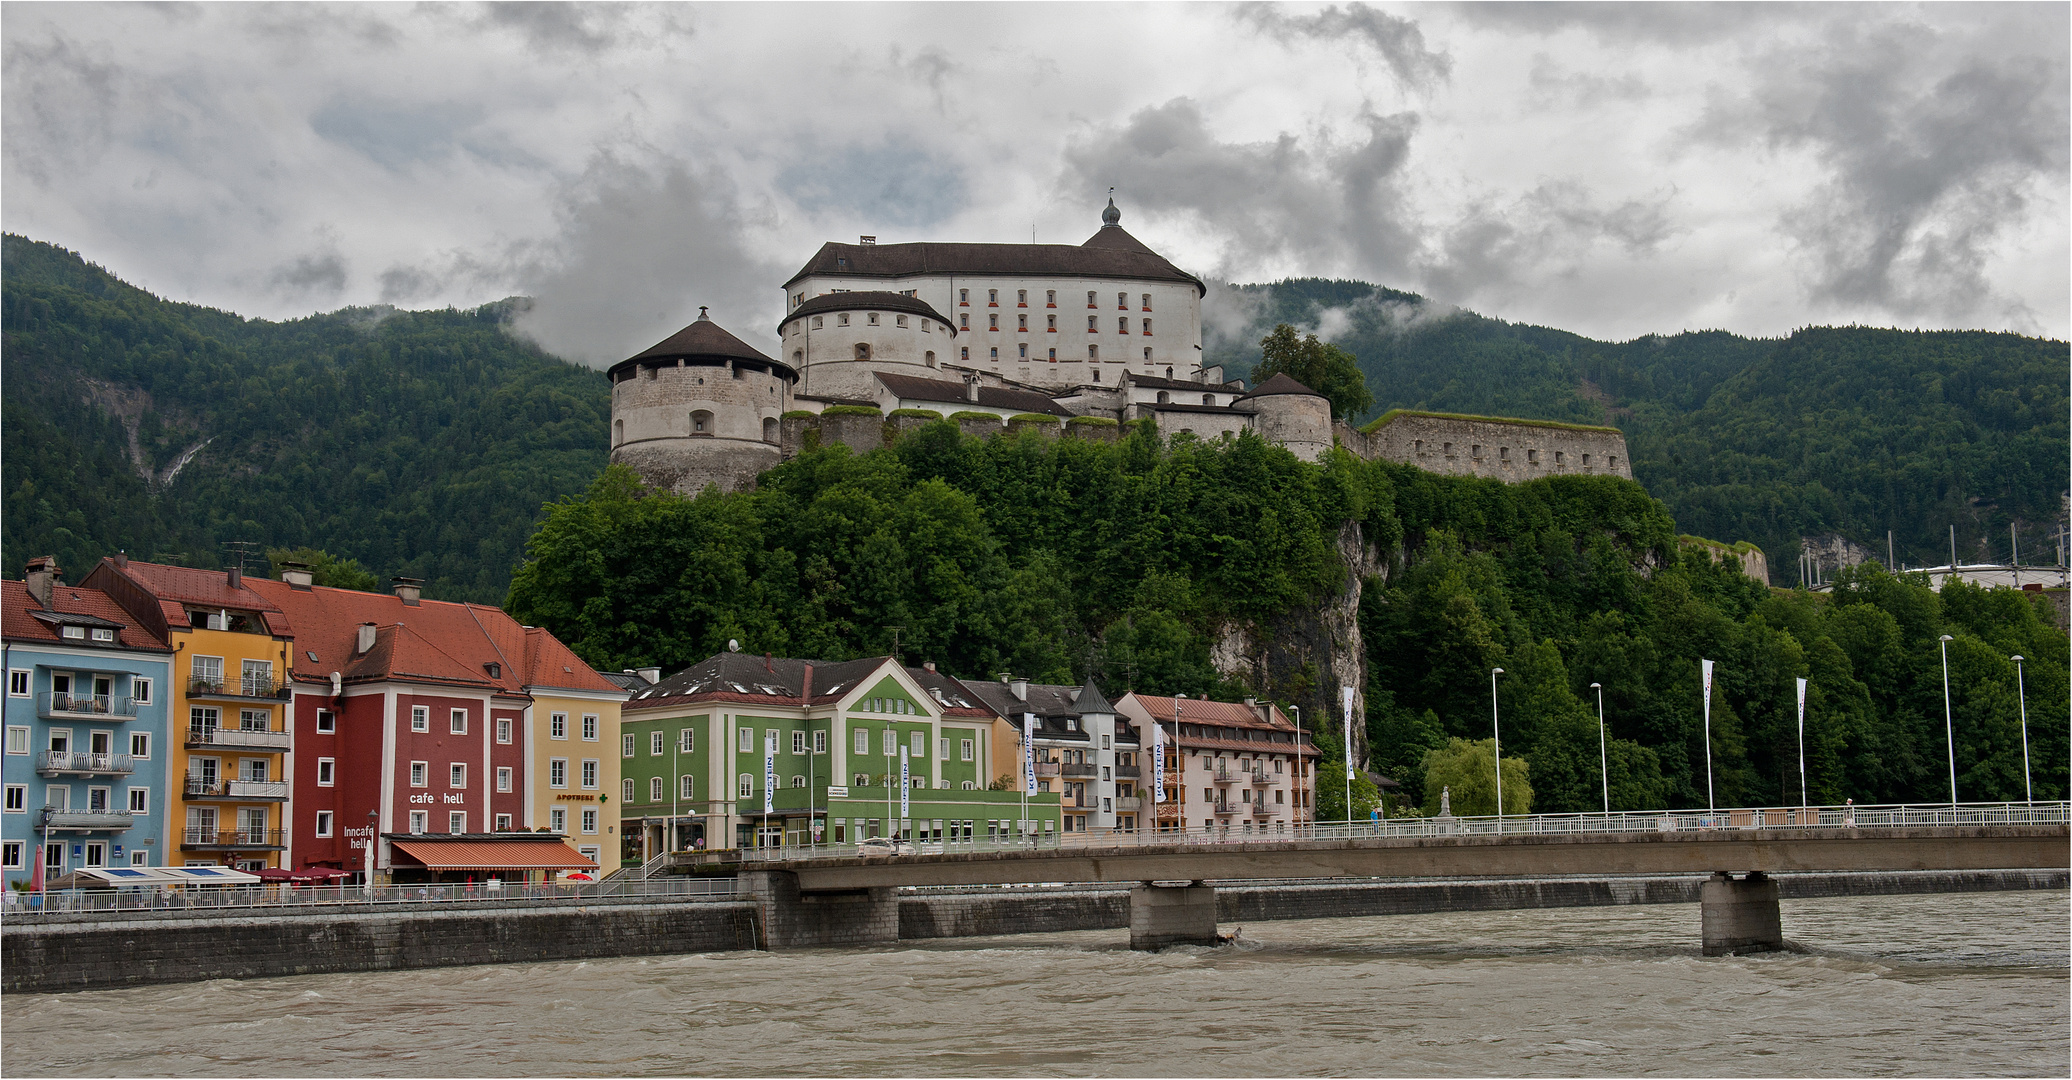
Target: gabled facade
column 1239, row 767
column 87, row 760
column 844, row 736
column 231, row 747
column 1083, row 750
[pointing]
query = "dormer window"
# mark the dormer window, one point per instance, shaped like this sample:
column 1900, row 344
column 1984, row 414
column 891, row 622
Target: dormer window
column 104, row 635
column 74, row 633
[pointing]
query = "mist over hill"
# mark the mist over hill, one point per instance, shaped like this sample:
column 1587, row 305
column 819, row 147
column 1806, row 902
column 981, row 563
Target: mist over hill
column 425, row 444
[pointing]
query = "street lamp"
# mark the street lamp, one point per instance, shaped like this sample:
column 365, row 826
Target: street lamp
column 1297, row 710
column 2022, row 694
column 1497, row 744
column 1604, row 770
column 1949, row 726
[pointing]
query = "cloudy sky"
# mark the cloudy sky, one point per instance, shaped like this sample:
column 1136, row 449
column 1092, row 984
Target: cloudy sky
column 1613, row 170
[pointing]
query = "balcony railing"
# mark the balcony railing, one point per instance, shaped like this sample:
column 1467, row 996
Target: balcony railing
column 1260, row 779
column 246, row 687
column 234, row 838
column 1225, row 776
column 1260, row 809
column 89, row 819
column 1047, row 768
column 1073, row 769
column 198, row 788
column 1129, row 771
column 1226, row 808
column 54, row 762
column 242, row 738
column 1128, row 804
column 51, row 704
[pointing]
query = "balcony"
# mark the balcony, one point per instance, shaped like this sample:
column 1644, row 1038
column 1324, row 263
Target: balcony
column 1225, row 808
column 1260, row 779
column 1260, row 809
column 1047, row 768
column 1086, row 802
column 206, row 738
column 1129, row 804
column 1225, row 776
column 234, row 839
column 59, row 762
column 251, row 688
column 240, row 790
column 1128, row 772
column 52, row 705
column 1082, row 770
column 89, row 819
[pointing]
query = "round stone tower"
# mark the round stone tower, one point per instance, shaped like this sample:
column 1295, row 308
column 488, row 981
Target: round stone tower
column 839, row 340
column 701, row 407
column 1286, row 412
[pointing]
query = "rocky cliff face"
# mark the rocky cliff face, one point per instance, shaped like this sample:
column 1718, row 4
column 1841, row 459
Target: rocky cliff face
column 1306, row 657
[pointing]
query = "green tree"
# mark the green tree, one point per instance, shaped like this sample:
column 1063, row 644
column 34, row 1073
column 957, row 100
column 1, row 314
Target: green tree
column 1319, row 365
column 325, row 568
column 1468, row 770
column 1331, row 784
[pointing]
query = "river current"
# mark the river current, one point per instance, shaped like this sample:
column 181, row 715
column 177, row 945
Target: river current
column 1939, row 985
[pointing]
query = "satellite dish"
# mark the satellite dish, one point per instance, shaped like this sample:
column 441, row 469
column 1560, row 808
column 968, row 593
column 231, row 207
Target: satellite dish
column 733, row 645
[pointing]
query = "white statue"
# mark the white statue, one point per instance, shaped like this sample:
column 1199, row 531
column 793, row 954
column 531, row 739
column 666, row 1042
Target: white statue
column 1446, row 802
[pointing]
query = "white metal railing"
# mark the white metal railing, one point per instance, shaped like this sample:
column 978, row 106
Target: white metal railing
column 64, row 761
column 1867, row 818
column 285, row 898
column 202, row 788
column 110, row 706
column 248, row 738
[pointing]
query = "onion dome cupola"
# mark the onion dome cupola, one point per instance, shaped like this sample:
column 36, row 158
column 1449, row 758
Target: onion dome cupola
column 1111, row 217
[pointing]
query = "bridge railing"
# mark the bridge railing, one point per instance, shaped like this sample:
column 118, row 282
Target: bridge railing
column 281, row 898
column 1867, row 818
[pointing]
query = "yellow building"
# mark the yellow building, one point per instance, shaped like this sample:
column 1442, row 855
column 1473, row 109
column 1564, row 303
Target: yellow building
column 231, row 737
column 574, row 750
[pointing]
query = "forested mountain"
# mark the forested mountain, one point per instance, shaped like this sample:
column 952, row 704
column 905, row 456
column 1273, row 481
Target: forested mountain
column 1069, row 559
column 421, row 444
column 1848, row 430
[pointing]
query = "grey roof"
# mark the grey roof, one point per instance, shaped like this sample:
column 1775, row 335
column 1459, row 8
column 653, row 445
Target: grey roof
column 946, row 690
column 623, row 681
column 778, row 678
column 1282, row 384
column 868, row 300
column 1090, row 701
column 1109, row 253
column 915, row 388
column 1052, row 705
column 702, row 340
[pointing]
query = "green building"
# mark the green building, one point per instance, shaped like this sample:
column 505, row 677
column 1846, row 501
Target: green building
column 835, row 741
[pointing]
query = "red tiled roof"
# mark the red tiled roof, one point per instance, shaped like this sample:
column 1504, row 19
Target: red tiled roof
column 493, row 855
column 177, row 587
column 549, row 663
column 1226, row 713
column 16, row 624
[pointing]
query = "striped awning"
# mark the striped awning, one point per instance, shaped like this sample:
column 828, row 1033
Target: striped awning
column 492, row 855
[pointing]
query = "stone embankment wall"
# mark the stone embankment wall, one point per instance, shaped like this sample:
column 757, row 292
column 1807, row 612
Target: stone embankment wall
column 1510, row 450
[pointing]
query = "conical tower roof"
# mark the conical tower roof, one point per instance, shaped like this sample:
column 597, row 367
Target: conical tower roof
column 702, row 340
column 1090, row 701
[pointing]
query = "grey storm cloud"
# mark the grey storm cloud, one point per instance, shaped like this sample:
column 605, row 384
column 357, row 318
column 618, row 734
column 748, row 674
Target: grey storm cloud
column 58, row 107
column 590, row 28
column 1493, row 251
column 1930, row 153
column 1398, row 40
column 896, row 182
column 1328, row 203
column 322, row 275
column 641, row 247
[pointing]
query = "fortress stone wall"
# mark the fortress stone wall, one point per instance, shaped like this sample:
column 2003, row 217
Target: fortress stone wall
column 1510, row 450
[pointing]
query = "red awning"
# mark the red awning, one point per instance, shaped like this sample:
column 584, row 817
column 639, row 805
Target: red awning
column 492, row 855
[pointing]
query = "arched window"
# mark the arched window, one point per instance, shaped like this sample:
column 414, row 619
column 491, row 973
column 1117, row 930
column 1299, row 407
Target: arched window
column 798, row 357
column 1147, row 356
column 1021, row 297
column 798, row 781
column 618, row 432
column 930, row 357
column 1090, row 301
column 1147, row 327
column 747, row 785
column 1093, row 354
column 963, row 296
column 863, row 350
column 1147, row 301
column 1208, row 399
column 1050, row 297
column 701, row 422
column 769, row 429
column 1164, row 398
column 1169, row 373
column 1122, row 326
column 1122, row 301
column 992, row 322
column 819, row 321
column 964, row 353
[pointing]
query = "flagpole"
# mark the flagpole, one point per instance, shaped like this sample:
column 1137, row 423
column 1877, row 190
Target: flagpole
column 1705, row 671
column 1803, row 800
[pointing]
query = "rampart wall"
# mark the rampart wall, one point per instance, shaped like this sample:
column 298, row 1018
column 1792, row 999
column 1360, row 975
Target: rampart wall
column 1510, row 450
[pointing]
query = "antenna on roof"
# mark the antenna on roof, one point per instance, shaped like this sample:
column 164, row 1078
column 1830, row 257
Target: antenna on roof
column 895, row 641
column 242, row 549
column 733, row 645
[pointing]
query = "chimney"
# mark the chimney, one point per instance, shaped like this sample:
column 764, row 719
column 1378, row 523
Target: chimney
column 930, row 665
column 866, row 241
column 298, row 575
column 971, row 388
column 767, row 665
column 366, row 639
column 41, row 575
column 407, row 589
column 122, row 560
column 652, row 675
column 1020, row 688
column 236, row 577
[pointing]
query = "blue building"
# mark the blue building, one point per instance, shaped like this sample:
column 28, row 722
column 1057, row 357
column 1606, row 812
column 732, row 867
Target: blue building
column 87, row 761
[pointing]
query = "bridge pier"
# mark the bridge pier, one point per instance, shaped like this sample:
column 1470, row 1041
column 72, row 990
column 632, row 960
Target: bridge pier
column 795, row 920
column 1739, row 916
column 1162, row 915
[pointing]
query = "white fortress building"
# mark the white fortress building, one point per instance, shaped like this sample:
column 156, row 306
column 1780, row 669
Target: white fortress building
column 1107, row 329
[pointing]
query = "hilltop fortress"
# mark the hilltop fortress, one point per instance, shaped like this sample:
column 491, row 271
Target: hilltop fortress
column 1073, row 340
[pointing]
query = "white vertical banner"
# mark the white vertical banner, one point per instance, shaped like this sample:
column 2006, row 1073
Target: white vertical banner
column 904, row 785
column 1802, row 742
column 769, row 772
column 1705, row 676
column 1158, row 794
column 1029, row 753
column 1348, row 732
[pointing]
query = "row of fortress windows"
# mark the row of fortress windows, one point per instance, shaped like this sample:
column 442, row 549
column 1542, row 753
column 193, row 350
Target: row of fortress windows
column 1503, row 453
column 1093, row 323
column 1021, row 298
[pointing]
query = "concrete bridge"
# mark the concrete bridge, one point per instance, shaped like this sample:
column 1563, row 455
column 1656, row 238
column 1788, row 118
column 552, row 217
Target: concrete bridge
column 828, row 896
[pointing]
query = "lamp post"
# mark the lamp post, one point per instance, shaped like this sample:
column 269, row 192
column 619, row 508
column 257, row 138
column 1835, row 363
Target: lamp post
column 1179, row 784
column 1604, row 770
column 1949, row 726
column 1297, row 710
column 1497, row 744
column 2022, row 694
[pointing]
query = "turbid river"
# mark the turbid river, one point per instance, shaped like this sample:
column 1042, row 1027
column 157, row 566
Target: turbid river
column 1947, row 985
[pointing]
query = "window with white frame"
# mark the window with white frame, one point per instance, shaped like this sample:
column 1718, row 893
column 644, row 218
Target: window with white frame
column 503, row 823
column 420, row 821
column 863, row 741
column 323, row 823
column 687, row 740
column 626, row 744
column 891, row 741
column 557, row 726
column 626, row 790
column 745, row 736
column 654, row 789
column 589, row 727
column 798, row 742
column 456, row 821
column 655, row 743
column 589, row 820
column 17, row 798
column 964, row 750
column 140, row 690
column 747, row 785
column 11, row 854
column 557, row 773
column 503, row 731
column 327, row 771
column 503, row 778
column 457, row 722
column 140, row 745
column 943, row 748
column 420, row 774
column 589, row 772
column 557, row 820
column 456, row 775
column 686, row 787
column 820, row 742
column 420, row 718
column 327, row 722
column 17, row 740
column 917, row 744
column 139, row 800
column 17, row 683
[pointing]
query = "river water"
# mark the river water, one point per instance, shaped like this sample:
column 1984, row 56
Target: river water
column 1942, row 985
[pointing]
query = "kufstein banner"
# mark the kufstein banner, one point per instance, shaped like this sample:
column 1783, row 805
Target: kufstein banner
column 1029, row 753
column 769, row 772
column 1157, row 763
column 1348, row 732
column 904, row 786
column 1802, row 708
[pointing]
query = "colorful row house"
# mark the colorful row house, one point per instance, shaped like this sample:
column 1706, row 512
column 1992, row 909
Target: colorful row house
column 88, row 767
column 1235, row 767
column 744, row 750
